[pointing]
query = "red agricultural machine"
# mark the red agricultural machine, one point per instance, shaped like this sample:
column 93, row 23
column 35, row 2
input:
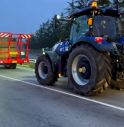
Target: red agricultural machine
column 14, row 49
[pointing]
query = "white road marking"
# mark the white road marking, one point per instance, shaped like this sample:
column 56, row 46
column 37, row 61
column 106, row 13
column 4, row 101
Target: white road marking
column 66, row 93
column 27, row 69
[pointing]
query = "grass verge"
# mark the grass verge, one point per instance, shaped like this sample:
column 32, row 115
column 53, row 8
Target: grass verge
column 28, row 65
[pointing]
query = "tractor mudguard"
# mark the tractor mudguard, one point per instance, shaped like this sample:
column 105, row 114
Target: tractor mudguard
column 53, row 57
column 100, row 45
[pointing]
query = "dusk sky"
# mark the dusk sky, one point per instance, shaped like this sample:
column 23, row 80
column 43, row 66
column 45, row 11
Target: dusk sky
column 25, row 16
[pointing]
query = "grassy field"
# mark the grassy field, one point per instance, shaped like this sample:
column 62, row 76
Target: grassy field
column 28, row 65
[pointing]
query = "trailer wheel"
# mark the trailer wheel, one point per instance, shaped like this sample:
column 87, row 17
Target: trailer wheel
column 44, row 71
column 89, row 71
column 10, row 66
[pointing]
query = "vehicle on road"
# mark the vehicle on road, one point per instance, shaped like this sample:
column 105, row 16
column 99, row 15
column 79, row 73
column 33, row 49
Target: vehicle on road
column 14, row 49
column 93, row 57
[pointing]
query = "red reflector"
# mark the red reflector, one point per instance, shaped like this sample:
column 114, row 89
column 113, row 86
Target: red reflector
column 99, row 39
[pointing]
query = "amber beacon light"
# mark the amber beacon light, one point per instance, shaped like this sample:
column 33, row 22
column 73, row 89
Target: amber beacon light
column 94, row 4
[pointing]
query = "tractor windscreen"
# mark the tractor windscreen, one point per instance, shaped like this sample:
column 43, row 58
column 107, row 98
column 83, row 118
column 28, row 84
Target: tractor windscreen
column 108, row 26
column 79, row 28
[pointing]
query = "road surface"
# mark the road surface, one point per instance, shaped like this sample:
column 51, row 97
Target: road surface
column 23, row 103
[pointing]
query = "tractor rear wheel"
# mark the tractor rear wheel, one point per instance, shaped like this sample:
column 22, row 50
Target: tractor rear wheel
column 89, row 71
column 44, row 71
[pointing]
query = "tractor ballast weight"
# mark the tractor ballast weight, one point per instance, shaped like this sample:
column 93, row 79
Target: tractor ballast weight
column 93, row 57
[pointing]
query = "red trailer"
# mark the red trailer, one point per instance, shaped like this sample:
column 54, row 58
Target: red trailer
column 14, row 49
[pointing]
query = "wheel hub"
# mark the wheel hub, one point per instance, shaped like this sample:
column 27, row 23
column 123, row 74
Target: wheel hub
column 43, row 70
column 81, row 70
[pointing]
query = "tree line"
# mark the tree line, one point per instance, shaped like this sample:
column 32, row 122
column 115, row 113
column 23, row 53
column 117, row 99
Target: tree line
column 48, row 34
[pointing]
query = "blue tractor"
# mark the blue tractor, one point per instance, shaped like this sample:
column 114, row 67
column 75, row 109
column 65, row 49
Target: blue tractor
column 93, row 57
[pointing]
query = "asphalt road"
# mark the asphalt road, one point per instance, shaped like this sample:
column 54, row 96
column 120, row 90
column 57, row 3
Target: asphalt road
column 23, row 103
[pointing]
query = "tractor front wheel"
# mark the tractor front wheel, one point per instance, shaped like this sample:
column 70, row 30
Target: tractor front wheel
column 44, row 71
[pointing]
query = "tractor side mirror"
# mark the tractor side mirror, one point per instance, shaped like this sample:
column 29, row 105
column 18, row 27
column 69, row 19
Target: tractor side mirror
column 59, row 19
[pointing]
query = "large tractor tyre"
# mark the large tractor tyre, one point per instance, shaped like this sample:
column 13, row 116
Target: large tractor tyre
column 44, row 71
column 10, row 66
column 89, row 71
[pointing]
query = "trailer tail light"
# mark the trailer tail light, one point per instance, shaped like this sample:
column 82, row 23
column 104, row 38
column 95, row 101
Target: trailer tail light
column 99, row 40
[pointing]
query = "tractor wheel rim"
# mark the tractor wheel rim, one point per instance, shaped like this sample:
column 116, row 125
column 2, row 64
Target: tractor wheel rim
column 81, row 70
column 43, row 70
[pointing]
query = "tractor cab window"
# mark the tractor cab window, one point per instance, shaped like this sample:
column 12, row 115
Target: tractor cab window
column 107, row 26
column 79, row 28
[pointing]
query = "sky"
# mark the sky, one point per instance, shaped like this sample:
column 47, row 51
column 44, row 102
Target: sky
column 25, row 16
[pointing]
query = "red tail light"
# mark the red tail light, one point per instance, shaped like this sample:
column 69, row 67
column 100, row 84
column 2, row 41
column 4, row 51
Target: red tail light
column 99, row 39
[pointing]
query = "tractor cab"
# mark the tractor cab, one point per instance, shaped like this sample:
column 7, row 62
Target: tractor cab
column 95, row 21
column 110, row 28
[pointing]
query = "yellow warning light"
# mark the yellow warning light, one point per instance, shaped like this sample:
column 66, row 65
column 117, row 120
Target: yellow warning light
column 90, row 21
column 94, row 4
